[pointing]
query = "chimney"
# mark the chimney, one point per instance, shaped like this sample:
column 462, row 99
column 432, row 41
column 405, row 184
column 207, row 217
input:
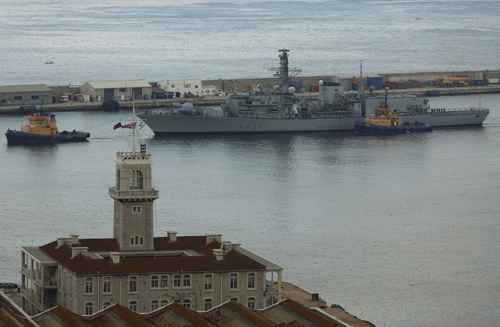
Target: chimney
column 315, row 297
column 214, row 238
column 73, row 239
column 76, row 250
column 228, row 246
column 219, row 254
column 115, row 257
column 172, row 236
column 60, row 242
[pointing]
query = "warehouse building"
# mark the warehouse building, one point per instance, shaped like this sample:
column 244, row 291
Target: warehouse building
column 27, row 94
column 97, row 91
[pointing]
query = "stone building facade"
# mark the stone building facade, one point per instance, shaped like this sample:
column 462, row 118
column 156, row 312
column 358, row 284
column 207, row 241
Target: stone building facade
column 140, row 271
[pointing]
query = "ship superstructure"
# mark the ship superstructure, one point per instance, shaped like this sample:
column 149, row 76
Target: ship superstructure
column 281, row 110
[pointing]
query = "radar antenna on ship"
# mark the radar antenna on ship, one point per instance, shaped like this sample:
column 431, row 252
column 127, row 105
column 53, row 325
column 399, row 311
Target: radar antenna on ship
column 283, row 71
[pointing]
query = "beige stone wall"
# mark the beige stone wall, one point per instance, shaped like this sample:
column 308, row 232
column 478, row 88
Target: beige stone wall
column 145, row 294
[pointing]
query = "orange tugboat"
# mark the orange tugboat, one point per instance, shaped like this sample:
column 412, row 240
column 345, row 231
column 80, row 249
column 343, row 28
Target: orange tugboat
column 41, row 128
column 386, row 122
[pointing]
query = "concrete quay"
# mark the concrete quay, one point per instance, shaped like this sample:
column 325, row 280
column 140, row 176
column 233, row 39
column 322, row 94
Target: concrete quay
column 124, row 105
column 436, row 91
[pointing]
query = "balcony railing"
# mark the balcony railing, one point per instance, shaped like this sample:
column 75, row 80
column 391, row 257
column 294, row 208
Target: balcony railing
column 49, row 283
column 271, row 288
column 133, row 156
column 116, row 194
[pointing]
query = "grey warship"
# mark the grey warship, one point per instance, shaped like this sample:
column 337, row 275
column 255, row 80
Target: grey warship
column 281, row 110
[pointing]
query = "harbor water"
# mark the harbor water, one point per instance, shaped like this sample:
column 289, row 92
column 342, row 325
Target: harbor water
column 72, row 41
column 400, row 230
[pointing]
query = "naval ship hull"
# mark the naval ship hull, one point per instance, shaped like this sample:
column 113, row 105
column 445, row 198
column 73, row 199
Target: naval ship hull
column 448, row 118
column 172, row 124
column 180, row 124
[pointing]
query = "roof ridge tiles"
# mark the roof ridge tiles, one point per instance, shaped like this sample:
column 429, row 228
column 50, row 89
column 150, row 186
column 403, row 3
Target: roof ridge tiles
column 307, row 313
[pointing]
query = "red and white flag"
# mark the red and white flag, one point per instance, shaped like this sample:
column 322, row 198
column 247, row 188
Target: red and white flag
column 127, row 125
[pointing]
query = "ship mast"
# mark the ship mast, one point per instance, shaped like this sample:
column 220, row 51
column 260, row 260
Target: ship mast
column 283, row 71
column 361, row 89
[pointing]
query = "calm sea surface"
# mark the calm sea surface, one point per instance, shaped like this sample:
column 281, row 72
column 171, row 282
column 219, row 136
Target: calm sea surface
column 176, row 39
column 403, row 230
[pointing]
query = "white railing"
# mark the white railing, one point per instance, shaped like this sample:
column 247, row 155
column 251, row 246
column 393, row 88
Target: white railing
column 132, row 194
column 133, row 155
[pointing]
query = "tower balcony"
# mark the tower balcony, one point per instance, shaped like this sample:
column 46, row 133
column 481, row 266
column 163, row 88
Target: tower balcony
column 131, row 195
column 121, row 156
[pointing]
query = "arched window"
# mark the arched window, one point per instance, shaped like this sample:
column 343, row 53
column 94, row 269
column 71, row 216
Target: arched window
column 251, row 281
column 136, row 181
column 136, row 240
column 132, row 284
column 233, row 280
column 89, row 308
column 251, row 303
column 89, row 286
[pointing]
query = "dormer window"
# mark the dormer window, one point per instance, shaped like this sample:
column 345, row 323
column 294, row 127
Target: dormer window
column 136, row 181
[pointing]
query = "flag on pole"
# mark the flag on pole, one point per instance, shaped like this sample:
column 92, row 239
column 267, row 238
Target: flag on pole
column 127, row 125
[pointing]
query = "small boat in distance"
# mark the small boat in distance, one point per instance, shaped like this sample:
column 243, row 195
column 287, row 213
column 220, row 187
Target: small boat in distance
column 49, row 62
column 41, row 128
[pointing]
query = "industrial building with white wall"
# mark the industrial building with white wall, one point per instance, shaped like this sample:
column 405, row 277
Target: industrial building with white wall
column 126, row 90
column 28, row 94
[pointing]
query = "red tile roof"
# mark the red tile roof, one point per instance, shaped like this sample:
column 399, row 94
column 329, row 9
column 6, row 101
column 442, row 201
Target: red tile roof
column 345, row 317
column 117, row 315
column 218, row 316
column 226, row 315
column 13, row 316
column 160, row 316
column 315, row 318
column 60, row 316
column 206, row 261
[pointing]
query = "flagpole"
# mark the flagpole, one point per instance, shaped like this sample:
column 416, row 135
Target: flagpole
column 134, row 122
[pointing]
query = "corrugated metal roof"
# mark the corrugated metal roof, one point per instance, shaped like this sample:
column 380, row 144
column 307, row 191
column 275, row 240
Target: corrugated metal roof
column 118, row 84
column 24, row 88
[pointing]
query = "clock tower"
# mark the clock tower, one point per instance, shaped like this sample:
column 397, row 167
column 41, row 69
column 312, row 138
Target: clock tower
column 133, row 197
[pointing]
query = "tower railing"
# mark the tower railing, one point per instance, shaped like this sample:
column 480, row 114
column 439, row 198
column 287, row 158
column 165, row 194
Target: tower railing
column 131, row 194
column 133, row 155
